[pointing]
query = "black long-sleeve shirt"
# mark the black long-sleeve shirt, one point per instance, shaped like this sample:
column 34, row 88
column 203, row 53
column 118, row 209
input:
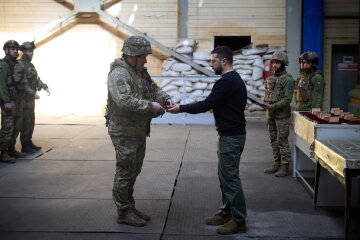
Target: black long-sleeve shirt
column 228, row 100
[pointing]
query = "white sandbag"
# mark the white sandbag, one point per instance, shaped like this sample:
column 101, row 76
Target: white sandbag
column 244, row 67
column 249, row 57
column 252, row 51
column 170, row 87
column 260, row 94
column 244, row 72
column 199, row 85
column 186, row 42
column 192, row 72
column 207, row 92
column 267, row 57
column 170, row 74
column 250, row 83
column 187, row 101
column 249, row 87
column 262, row 87
column 257, row 73
column 186, row 89
column 181, row 83
column 167, row 64
column 174, row 93
column 248, row 102
column 165, row 82
column 200, row 55
column 184, row 50
column 259, row 63
column 243, row 62
column 210, row 86
column 197, row 93
column 202, row 63
column 258, row 83
column 180, row 67
column 246, row 77
column 254, row 107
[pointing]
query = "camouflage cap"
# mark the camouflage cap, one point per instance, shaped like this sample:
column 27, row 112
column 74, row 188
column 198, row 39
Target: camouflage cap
column 311, row 57
column 27, row 46
column 136, row 45
column 11, row 43
column 280, row 56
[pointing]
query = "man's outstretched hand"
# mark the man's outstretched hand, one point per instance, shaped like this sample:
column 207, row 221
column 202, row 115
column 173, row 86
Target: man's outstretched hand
column 174, row 109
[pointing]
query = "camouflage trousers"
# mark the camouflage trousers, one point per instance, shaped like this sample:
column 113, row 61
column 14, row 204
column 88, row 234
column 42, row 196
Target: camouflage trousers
column 130, row 153
column 279, row 134
column 24, row 120
column 7, row 128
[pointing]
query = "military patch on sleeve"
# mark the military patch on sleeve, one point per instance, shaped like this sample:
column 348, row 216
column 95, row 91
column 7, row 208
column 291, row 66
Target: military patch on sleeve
column 318, row 87
column 122, row 87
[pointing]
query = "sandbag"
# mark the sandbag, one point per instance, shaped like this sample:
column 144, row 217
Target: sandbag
column 245, row 67
column 165, row 82
column 180, row 67
column 186, row 42
column 184, row 50
column 199, row 85
column 197, row 92
column 252, row 51
column 243, row 62
column 244, row 72
column 170, row 74
column 246, row 77
column 167, row 64
column 258, row 83
column 186, row 89
column 170, row 87
column 181, row 83
column 200, row 55
column 257, row 73
column 259, row 63
column 249, row 57
column 254, row 107
column 192, row 72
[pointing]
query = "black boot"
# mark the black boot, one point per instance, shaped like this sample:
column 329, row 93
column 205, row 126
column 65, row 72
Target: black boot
column 26, row 148
column 37, row 148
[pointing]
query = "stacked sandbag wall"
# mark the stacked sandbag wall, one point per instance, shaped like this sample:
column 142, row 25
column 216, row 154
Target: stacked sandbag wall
column 249, row 64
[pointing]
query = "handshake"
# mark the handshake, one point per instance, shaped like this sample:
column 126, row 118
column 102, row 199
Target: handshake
column 156, row 108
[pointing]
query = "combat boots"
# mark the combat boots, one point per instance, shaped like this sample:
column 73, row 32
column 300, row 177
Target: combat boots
column 272, row 169
column 283, row 171
column 13, row 153
column 141, row 215
column 26, row 148
column 232, row 227
column 33, row 146
column 217, row 220
column 130, row 218
column 4, row 157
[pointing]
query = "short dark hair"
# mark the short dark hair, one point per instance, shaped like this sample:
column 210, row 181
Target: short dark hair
column 224, row 52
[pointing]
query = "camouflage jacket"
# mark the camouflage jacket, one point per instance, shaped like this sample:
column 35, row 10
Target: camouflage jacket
column 26, row 78
column 309, row 91
column 130, row 93
column 4, row 74
column 284, row 83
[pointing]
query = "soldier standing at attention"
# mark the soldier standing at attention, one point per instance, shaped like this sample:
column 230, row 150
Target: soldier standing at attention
column 7, row 98
column 28, row 82
column 133, row 100
column 228, row 100
column 309, row 86
column 279, row 90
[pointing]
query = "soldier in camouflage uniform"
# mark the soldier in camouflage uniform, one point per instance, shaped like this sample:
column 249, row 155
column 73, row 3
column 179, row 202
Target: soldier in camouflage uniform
column 7, row 97
column 309, row 86
column 28, row 83
column 133, row 100
column 279, row 90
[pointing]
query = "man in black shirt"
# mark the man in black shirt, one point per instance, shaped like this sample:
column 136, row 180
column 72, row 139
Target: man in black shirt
column 227, row 100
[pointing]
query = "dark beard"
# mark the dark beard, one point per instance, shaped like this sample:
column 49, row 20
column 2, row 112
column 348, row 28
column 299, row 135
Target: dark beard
column 218, row 71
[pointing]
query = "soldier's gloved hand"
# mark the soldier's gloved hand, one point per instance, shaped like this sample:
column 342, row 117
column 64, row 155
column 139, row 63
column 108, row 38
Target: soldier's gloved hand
column 36, row 96
column 156, row 108
column 9, row 107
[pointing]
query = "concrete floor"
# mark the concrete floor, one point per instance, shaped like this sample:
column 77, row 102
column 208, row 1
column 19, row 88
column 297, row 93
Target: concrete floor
column 64, row 192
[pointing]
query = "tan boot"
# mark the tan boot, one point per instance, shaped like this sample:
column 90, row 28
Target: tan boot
column 217, row 220
column 141, row 215
column 272, row 169
column 283, row 171
column 130, row 218
column 13, row 153
column 5, row 158
column 232, row 227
